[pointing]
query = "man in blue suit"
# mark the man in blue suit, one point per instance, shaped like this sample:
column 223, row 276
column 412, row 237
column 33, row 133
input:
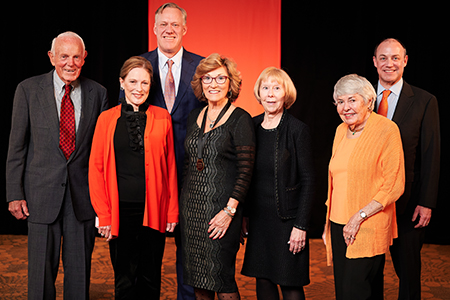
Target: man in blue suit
column 170, row 27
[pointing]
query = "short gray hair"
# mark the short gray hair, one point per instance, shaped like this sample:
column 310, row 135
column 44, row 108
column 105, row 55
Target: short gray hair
column 67, row 34
column 355, row 84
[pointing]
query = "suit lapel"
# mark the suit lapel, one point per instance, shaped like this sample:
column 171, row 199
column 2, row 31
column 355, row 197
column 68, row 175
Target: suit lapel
column 404, row 103
column 156, row 96
column 87, row 109
column 48, row 104
column 187, row 70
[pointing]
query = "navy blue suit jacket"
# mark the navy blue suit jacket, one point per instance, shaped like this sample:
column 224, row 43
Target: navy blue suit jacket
column 185, row 100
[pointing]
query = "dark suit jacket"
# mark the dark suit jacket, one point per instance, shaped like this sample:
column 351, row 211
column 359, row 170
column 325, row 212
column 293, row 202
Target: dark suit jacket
column 36, row 169
column 417, row 117
column 185, row 101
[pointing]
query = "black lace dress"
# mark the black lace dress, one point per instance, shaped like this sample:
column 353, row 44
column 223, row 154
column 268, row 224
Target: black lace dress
column 228, row 156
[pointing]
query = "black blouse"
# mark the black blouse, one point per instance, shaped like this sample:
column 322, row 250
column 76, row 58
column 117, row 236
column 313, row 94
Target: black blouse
column 129, row 153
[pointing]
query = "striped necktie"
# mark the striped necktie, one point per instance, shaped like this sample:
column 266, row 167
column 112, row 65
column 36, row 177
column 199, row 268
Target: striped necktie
column 169, row 90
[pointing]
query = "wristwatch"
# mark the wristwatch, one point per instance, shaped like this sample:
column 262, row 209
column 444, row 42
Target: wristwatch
column 231, row 209
column 362, row 214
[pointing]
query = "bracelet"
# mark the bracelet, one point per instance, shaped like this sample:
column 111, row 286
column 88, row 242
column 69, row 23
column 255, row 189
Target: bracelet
column 228, row 213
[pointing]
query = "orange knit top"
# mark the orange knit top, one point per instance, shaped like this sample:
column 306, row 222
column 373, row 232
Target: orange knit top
column 375, row 171
column 338, row 171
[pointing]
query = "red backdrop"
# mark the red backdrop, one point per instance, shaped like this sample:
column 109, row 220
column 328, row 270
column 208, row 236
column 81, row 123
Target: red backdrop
column 246, row 31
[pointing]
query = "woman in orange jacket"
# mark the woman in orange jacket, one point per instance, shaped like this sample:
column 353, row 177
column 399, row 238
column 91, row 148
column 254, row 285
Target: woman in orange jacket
column 366, row 176
column 133, row 183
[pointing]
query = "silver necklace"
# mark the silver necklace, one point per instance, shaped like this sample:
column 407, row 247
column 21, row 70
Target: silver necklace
column 212, row 121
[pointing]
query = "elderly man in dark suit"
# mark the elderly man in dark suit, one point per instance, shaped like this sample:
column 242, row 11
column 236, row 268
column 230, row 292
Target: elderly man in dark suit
column 415, row 111
column 171, row 89
column 53, row 121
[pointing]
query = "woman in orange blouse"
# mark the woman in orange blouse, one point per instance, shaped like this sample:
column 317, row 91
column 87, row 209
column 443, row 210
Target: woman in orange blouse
column 133, row 184
column 365, row 178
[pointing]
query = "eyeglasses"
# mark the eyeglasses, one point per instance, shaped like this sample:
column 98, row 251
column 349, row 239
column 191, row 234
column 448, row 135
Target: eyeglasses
column 221, row 79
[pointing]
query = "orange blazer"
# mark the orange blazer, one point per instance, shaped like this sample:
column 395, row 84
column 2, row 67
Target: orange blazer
column 375, row 171
column 161, row 205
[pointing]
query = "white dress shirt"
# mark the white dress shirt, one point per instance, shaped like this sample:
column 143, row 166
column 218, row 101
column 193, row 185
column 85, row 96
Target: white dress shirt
column 164, row 69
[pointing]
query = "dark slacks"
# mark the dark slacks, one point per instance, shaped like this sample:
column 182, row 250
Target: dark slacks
column 44, row 246
column 184, row 291
column 360, row 278
column 405, row 253
column 136, row 256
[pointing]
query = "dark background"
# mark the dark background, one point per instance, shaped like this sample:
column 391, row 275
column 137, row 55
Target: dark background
column 320, row 44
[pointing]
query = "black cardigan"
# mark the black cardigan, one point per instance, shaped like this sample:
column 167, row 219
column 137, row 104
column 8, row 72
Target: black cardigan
column 294, row 172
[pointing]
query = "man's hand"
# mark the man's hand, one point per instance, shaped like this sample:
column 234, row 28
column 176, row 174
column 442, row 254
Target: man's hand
column 425, row 216
column 19, row 209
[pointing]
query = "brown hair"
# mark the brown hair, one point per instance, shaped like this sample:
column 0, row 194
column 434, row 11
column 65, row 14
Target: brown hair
column 212, row 62
column 136, row 62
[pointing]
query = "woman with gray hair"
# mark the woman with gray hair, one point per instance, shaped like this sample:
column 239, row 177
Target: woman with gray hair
column 366, row 176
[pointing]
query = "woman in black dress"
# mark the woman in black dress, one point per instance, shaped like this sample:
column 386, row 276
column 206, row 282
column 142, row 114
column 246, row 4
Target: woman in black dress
column 280, row 198
column 220, row 147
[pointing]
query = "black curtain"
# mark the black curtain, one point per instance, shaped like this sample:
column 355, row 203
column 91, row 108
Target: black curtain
column 112, row 31
column 323, row 42
column 320, row 44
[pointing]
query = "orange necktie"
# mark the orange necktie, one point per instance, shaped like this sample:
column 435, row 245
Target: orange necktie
column 169, row 89
column 383, row 108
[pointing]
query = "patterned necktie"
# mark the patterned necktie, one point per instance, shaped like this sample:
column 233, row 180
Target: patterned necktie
column 383, row 108
column 169, row 89
column 67, row 124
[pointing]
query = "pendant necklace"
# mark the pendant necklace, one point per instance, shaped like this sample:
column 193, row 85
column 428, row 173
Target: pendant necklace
column 202, row 136
column 213, row 122
column 355, row 131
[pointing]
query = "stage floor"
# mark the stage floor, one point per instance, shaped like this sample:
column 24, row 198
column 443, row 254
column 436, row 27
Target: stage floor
column 13, row 272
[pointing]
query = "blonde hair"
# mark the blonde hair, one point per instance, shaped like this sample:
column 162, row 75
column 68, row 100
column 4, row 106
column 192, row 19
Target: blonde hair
column 171, row 5
column 281, row 77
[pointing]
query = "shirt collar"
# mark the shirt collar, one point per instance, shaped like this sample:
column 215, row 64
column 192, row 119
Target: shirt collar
column 162, row 59
column 59, row 84
column 395, row 89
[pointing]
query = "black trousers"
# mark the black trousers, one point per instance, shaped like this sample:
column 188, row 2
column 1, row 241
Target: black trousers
column 136, row 255
column 360, row 278
column 405, row 253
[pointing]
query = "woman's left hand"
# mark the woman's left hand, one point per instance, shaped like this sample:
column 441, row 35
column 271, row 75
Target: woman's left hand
column 297, row 241
column 351, row 229
column 171, row 227
column 218, row 225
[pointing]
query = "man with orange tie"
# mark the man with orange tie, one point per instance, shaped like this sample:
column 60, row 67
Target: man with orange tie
column 416, row 113
column 53, row 121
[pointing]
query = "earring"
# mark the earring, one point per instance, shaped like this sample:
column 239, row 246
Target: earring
column 230, row 93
